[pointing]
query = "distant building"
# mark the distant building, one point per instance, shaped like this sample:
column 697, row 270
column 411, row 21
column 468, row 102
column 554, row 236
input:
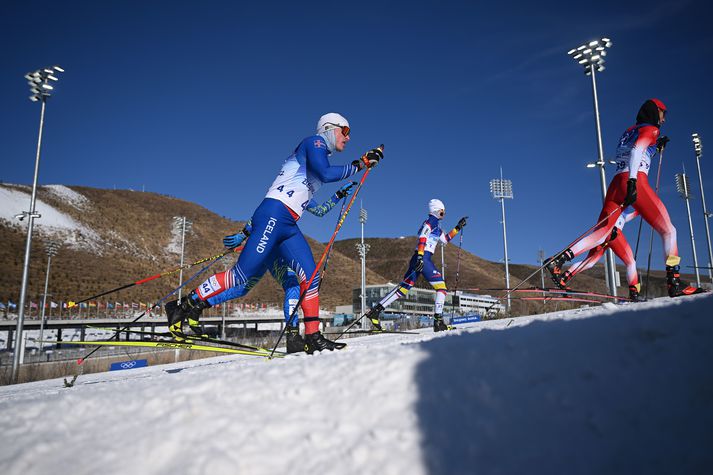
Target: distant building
column 422, row 302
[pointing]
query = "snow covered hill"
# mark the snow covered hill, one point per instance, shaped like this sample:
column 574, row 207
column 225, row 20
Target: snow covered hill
column 618, row 389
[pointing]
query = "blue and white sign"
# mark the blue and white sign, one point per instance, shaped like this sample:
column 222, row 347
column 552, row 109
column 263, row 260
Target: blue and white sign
column 465, row 319
column 131, row 364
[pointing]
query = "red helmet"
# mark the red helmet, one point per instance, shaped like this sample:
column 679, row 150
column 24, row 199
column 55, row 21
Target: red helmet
column 659, row 104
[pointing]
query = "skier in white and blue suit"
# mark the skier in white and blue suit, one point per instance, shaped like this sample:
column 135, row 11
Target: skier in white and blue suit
column 276, row 233
column 280, row 271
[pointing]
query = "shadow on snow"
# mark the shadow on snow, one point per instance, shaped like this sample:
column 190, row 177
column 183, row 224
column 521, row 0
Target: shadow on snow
column 630, row 392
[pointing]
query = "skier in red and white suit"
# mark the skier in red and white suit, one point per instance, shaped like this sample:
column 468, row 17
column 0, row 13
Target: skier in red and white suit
column 631, row 186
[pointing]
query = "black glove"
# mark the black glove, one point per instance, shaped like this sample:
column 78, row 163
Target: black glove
column 630, row 192
column 661, row 143
column 369, row 159
column 461, row 223
column 419, row 263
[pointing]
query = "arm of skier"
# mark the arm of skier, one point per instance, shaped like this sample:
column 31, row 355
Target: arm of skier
column 370, row 159
column 461, row 223
column 647, row 137
column 234, row 240
column 326, row 207
column 318, row 165
column 422, row 238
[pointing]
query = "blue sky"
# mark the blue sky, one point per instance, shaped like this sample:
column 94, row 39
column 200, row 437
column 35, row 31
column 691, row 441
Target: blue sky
column 203, row 101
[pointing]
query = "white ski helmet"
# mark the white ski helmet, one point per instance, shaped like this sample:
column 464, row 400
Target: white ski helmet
column 331, row 121
column 434, row 206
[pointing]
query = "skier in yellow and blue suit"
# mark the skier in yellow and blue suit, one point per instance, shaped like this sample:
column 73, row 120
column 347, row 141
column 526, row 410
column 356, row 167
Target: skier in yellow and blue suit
column 429, row 235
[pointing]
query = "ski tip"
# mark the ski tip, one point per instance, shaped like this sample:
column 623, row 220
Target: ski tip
column 80, row 361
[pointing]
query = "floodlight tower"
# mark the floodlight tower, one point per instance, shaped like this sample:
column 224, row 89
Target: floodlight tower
column 51, row 249
column 362, row 249
column 541, row 260
column 698, row 147
column 182, row 225
column 591, row 56
column 502, row 190
column 41, row 89
column 683, row 185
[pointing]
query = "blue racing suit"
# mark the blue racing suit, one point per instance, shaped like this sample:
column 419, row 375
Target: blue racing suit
column 279, row 269
column 275, row 231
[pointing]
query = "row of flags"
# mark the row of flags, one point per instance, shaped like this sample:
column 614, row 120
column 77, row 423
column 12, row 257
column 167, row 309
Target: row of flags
column 92, row 304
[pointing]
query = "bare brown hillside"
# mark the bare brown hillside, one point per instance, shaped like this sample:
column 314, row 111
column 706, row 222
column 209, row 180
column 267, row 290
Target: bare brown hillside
column 135, row 232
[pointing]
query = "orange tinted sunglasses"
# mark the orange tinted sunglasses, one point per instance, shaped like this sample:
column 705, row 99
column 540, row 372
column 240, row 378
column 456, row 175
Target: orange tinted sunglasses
column 345, row 128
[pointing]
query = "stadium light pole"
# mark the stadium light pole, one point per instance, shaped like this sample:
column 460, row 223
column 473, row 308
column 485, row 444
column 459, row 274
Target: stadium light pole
column 182, row 225
column 52, row 248
column 41, row 89
column 362, row 249
column 502, row 190
column 591, row 56
column 541, row 260
column 698, row 147
column 683, row 185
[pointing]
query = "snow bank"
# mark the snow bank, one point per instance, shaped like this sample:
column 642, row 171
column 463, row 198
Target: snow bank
column 626, row 389
column 69, row 196
column 53, row 223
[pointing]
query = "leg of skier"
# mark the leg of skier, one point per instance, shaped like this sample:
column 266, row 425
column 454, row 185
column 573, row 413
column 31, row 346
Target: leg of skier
column 611, row 210
column 298, row 255
column 291, row 285
column 231, row 293
column 403, row 288
column 272, row 222
column 587, row 263
column 649, row 205
column 435, row 278
column 623, row 251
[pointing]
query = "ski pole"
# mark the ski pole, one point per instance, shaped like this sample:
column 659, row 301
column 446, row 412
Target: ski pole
column 154, row 277
column 638, row 236
column 324, row 255
column 326, row 261
column 157, row 304
column 579, row 238
column 651, row 236
column 455, row 291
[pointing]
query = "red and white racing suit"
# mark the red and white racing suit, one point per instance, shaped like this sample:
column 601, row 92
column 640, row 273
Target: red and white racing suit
column 636, row 147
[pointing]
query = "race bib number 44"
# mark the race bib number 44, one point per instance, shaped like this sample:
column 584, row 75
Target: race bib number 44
column 209, row 288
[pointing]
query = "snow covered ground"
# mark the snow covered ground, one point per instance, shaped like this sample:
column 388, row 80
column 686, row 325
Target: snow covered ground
column 619, row 389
